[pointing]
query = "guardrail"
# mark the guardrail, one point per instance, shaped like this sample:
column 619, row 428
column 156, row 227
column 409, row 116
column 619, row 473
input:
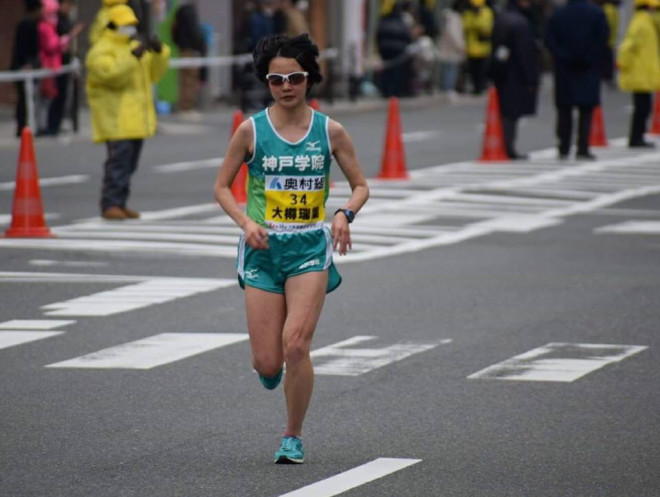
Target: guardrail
column 29, row 77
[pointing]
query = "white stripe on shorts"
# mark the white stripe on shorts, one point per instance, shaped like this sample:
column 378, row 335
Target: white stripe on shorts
column 328, row 247
column 240, row 263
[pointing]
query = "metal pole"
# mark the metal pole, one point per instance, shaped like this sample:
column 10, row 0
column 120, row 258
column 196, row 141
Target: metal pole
column 29, row 102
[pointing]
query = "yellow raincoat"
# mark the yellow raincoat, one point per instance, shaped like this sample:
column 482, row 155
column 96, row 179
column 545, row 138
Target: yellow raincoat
column 478, row 28
column 638, row 58
column 119, row 88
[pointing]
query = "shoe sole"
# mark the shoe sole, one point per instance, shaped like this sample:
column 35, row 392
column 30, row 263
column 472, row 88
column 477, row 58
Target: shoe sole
column 288, row 460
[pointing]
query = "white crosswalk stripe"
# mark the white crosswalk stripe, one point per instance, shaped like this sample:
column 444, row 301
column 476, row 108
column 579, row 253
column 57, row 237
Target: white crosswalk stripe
column 438, row 206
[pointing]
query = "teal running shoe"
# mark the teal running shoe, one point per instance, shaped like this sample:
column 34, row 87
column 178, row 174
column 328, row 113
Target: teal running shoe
column 291, row 451
column 272, row 382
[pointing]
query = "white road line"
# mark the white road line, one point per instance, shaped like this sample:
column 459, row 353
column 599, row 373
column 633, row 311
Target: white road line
column 139, row 234
column 11, row 338
column 339, row 360
column 165, row 227
column 176, row 212
column 632, row 227
column 50, row 263
column 121, row 246
column 558, row 362
column 5, row 219
column 353, row 478
column 418, row 136
column 34, row 324
column 71, row 179
column 153, row 351
column 20, row 277
column 132, row 297
column 178, row 167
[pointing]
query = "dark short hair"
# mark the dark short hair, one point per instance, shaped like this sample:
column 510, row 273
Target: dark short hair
column 301, row 48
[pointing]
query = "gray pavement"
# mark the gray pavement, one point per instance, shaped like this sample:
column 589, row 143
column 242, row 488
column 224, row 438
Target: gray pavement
column 455, row 275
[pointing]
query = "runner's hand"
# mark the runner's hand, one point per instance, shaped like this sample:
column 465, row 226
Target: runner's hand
column 341, row 234
column 256, row 236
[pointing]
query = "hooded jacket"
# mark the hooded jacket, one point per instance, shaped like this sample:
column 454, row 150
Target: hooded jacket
column 638, row 58
column 119, row 88
column 102, row 19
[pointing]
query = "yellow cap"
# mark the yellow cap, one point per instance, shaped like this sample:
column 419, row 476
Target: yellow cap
column 112, row 3
column 478, row 3
column 122, row 15
column 647, row 3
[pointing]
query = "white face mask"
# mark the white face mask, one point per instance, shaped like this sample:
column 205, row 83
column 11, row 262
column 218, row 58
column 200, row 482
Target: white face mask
column 129, row 30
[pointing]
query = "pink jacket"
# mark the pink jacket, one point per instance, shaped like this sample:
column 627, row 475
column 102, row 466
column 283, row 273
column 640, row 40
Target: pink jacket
column 51, row 45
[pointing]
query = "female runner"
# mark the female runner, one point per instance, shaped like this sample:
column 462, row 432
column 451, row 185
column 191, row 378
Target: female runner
column 285, row 252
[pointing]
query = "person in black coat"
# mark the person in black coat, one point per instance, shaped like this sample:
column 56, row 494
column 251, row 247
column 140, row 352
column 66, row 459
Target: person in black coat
column 514, row 68
column 188, row 36
column 392, row 38
column 25, row 55
column 576, row 36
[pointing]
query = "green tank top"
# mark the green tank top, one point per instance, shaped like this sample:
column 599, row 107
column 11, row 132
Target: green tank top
column 289, row 182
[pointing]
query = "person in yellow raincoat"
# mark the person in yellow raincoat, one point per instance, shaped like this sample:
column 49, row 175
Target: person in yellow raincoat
column 120, row 73
column 638, row 61
column 478, row 22
column 101, row 20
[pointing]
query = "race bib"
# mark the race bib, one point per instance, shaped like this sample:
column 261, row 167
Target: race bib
column 294, row 200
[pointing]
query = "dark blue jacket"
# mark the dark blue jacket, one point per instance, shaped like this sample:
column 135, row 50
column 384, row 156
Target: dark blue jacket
column 514, row 64
column 576, row 36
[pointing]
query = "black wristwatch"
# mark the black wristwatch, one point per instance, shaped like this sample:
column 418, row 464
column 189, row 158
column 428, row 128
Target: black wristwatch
column 350, row 215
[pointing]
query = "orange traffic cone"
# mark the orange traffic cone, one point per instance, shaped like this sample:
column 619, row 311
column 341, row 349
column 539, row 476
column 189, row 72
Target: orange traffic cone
column 314, row 104
column 393, row 164
column 655, row 122
column 239, row 186
column 493, row 143
column 28, row 211
column 597, row 134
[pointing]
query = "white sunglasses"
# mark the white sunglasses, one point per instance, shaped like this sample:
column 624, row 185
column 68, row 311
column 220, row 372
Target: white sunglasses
column 293, row 78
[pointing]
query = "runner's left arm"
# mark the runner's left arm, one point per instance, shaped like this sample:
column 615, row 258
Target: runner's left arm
column 344, row 151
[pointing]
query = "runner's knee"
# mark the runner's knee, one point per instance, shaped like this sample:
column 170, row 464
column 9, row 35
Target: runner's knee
column 296, row 349
column 266, row 366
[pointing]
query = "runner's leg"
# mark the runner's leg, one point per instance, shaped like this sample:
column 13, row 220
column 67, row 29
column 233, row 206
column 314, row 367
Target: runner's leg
column 305, row 295
column 266, row 312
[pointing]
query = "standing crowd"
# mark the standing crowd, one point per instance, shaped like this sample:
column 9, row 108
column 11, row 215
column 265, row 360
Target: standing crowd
column 474, row 43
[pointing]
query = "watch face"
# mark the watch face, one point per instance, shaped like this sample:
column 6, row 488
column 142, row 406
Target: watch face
column 350, row 215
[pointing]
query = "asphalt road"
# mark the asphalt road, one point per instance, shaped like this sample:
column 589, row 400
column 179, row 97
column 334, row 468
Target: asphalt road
column 495, row 333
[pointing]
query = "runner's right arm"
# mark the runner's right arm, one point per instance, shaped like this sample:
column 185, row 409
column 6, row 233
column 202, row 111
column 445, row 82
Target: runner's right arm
column 239, row 147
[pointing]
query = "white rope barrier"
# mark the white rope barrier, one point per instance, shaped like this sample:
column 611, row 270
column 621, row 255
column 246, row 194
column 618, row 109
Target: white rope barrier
column 30, row 76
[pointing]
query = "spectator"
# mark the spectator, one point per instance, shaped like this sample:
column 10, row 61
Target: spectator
column 188, row 36
column 639, row 67
column 427, row 18
column 451, row 47
column 25, row 55
column 65, row 28
column 478, row 21
column 120, row 74
column 51, row 48
column 261, row 22
column 611, row 11
column 393, row 38
column 576, row 36
column 294, row 20
column 515, row 69
column 102, row 19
